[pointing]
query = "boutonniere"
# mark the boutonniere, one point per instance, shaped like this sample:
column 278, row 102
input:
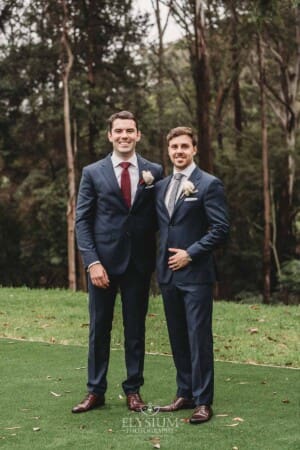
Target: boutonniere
column 188, row 188
column 147, row 177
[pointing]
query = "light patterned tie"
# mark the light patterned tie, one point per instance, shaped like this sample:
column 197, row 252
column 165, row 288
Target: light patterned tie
column 174, row 190
column 125, row 183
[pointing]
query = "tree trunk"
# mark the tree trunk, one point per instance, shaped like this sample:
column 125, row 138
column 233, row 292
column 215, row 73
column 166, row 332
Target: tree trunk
column 70, row 155
column 287, row 111
column 201, row 77
column 237, row 104
column 160, row 87
column 266, row 182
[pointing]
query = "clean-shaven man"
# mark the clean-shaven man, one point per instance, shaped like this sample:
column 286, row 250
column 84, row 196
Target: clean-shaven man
column 193, row 221
column 115, row 228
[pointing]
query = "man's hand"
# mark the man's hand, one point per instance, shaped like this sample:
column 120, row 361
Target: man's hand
column 99, row 276
column 180, row 259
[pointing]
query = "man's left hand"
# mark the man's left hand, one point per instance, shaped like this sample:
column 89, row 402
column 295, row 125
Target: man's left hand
column 180, row 259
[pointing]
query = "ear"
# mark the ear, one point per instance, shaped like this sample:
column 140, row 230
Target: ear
column 139, row 135
column 109, row 137
column 195, row 150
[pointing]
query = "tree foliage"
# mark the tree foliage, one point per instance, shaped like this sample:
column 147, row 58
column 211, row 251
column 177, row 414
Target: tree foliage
column 116, row 67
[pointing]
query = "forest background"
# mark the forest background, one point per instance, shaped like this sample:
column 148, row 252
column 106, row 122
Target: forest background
column 66, row 66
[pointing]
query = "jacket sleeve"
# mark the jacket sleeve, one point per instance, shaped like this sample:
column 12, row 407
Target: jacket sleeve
column 85, row 211
column 215, row 207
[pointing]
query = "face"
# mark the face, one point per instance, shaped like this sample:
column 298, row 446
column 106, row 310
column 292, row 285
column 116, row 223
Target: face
column 181, row 151
column 124, row 136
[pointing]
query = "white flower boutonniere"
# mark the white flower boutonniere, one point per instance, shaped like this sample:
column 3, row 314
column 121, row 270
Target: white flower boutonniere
column 188, row 188
column 147, row 177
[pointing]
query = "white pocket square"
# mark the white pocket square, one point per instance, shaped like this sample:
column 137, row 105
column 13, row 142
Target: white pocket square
column 190, row 199
column 149, row 187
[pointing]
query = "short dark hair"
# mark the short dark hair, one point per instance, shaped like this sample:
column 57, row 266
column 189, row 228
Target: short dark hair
column 121, row 115
column 179, row 131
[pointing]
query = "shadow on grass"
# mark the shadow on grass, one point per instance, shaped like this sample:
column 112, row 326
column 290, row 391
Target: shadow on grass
column 255, row 407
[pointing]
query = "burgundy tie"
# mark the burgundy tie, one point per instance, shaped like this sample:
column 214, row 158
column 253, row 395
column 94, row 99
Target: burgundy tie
column 125, row 183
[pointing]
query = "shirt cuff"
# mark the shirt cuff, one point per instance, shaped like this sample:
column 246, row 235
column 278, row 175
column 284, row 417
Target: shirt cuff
column 92, row 264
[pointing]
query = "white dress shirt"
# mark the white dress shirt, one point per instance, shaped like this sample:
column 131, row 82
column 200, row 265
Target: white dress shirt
column 187, row 172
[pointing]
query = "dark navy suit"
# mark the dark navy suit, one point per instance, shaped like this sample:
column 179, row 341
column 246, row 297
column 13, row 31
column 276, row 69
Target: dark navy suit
column 123, row 240
column 199, row 223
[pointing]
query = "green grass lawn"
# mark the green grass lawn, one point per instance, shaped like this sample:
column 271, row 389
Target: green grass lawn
column 243, row 333
column 255, row 407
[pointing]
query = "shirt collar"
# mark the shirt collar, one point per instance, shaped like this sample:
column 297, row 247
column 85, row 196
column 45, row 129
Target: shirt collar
column 187, row 171
column 116, row 160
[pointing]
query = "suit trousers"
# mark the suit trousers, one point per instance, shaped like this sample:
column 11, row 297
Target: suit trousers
column 188, row 309
column 134, row 290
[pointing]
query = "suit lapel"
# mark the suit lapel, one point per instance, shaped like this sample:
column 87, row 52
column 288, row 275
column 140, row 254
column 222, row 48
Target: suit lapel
column 110, row 177
column 162, row 195
column 195, row 179
column 142, row 165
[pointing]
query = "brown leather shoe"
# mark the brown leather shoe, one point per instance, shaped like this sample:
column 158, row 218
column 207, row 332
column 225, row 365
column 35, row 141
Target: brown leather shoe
column 135, row 402
column 178, row 403
column 91, row 401
column 202, row 413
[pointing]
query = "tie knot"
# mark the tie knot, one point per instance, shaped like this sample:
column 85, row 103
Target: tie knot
column 178, row 176
column 125, row 165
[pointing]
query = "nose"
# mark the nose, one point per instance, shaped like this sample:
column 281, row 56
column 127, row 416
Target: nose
column 124, row 133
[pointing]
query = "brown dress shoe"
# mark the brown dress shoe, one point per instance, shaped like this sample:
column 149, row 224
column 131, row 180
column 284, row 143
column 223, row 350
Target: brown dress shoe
column 202, row 413
column 178, row 403
column 91, row 401
column 135, row 402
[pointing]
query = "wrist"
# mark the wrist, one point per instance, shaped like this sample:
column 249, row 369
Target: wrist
column 92, row 264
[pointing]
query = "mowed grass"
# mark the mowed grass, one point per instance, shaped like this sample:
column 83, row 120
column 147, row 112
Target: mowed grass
column 242, row 333
column 255, row 407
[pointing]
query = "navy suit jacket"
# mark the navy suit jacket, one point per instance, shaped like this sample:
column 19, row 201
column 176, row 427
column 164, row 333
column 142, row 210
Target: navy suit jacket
column 199, row 224
column 106, row 229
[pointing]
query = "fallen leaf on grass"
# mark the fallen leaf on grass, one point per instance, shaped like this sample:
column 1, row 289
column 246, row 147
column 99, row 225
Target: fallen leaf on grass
column 232, row 425
column 36, row 429
column 121, row 397
column 55, row 394
column 253, row 330
column 254, row 307
column 271, row 339
column 185, row 420
column 53, row 340
column 110, row 430
column 238, row 419
column 155, row 441
column 79, row 368
column 285, row 400
column 12, row 428
column 84, row 325
column 235, row 448
column 221, row 415
column 152, row 315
